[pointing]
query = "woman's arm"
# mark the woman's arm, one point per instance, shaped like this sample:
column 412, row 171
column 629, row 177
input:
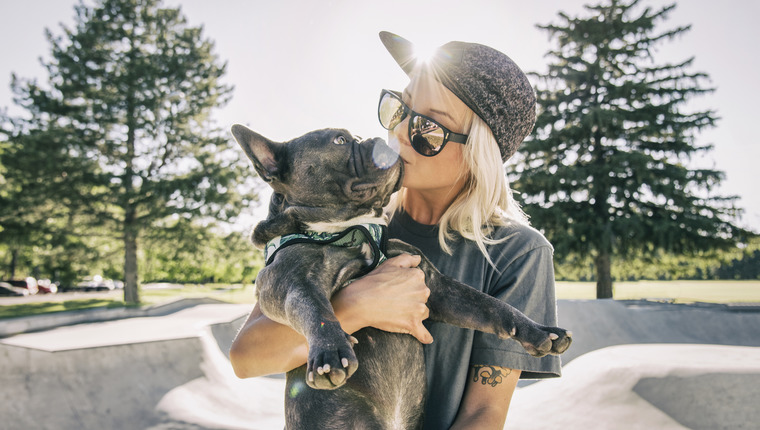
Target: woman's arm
column 486, row 398
column 391, row 298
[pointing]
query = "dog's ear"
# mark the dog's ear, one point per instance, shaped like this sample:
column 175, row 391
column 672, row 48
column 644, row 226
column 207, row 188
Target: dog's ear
column 262, row 152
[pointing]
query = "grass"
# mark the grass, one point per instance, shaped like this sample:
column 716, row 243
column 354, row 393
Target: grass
column 149, row 295
column 23, row 309
column 232, row 293
column 676, row 291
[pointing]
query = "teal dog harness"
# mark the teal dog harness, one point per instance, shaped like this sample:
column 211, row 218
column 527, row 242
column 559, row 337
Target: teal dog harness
column 355, row 236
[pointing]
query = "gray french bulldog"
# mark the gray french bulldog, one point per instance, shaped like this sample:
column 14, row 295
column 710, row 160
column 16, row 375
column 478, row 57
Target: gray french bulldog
column 326, row 183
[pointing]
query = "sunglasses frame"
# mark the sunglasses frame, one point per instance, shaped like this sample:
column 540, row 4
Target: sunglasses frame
column 448, row 135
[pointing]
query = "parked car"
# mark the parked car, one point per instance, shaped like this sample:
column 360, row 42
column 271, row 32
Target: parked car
column 29, row 284
column 46, row 286
column 7, row 289
column 96, row 283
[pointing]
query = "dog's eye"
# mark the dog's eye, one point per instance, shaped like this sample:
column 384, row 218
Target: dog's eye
column 340, row 140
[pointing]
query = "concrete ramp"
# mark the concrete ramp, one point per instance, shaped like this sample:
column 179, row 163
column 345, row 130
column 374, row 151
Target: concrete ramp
column 631, row 365
column 646, row 387
column 218, row 399
column 601, row 323
column 108, row 375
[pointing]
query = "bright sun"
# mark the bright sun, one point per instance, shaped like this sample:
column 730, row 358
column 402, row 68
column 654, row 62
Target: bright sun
column 424, row 49
column 424, row 52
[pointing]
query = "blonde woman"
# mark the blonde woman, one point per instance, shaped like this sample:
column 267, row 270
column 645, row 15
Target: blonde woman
column 463, row 114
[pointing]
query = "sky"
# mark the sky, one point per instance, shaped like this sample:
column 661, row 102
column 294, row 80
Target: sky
column 300, row 65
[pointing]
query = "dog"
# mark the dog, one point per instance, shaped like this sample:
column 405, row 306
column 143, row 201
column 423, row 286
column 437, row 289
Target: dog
column 329, row 190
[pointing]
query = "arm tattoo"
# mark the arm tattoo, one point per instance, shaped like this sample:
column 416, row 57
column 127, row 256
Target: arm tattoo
column 491, row 375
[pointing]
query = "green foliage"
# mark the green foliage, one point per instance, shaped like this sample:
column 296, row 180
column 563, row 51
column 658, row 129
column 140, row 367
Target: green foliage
column 120, row 139
column 605, row 173
column 737, row 263
column 185, row 253
column 182, row 252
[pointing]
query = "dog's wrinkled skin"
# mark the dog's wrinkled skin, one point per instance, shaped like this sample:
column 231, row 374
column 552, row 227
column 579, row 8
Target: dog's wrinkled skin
column 328, row 179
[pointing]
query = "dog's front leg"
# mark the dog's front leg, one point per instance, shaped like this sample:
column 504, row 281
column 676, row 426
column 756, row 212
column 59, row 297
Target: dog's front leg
column 302, row 303
column 458, row 304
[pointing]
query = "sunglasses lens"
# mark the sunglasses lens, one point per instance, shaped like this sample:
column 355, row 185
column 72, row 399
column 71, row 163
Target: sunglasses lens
column 390, row 111
column 427, row 137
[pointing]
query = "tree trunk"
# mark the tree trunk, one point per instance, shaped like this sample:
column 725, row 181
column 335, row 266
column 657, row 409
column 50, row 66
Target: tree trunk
column 603, row 276
column 131, row 287
column 601, row 194
column 14, row 262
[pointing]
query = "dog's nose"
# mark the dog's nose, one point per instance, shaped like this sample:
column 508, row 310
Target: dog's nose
column 383, row 155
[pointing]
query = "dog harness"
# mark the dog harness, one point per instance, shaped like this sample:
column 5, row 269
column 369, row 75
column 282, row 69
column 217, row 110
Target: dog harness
column 358, row 235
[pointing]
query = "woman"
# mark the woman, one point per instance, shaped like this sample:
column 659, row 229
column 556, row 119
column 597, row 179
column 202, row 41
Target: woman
column 464, row 113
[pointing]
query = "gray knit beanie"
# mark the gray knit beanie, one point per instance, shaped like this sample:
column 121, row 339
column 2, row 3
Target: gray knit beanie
column 486, row 80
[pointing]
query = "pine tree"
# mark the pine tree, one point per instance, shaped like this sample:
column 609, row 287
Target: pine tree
column 131, row 88
column 606, row 171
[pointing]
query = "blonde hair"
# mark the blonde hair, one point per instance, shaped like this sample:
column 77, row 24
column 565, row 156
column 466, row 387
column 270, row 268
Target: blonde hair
column 486, row 199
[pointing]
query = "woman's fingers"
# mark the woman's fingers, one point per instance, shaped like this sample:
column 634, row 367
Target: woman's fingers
column 403, row 260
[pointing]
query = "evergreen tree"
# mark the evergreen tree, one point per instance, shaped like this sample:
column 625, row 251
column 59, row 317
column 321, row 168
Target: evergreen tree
column 37, row 191
column 127, row 109
column 606, row 172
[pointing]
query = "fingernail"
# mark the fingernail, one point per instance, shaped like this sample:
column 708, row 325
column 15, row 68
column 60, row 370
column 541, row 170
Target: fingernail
column 327, row 368
column 553, row 336
column 344, row 361
column 311, row 376
column 320, row 371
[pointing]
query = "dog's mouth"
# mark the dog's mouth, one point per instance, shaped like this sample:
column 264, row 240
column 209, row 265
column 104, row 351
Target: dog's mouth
column 357, row 160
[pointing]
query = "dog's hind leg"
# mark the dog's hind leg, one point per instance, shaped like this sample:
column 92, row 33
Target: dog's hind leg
column 345, row 408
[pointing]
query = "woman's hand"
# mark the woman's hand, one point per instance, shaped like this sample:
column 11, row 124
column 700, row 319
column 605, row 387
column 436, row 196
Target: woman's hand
column 392, row 298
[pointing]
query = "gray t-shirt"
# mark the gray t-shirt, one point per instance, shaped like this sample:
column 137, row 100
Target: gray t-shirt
column 524, row 279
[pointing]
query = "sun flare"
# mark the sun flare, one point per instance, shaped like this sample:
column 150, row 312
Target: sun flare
column 424, row 52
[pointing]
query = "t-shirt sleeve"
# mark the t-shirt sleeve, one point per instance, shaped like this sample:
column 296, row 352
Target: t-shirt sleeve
column 527, row 283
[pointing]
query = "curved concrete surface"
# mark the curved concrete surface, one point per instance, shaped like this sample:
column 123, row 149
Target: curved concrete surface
column 171, row 372
column 649, row 386
column 107, row 375
column 600, row 323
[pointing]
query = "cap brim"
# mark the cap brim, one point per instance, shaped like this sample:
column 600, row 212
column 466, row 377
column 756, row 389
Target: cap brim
column 400, row 49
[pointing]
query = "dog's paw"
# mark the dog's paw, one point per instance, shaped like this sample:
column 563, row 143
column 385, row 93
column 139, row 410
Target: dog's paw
column 330, row 366
column 544, row 340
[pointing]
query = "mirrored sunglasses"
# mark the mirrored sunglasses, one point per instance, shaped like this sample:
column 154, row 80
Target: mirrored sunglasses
column 427, row 136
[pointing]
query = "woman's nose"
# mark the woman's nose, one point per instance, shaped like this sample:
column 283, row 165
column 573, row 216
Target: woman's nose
column 399, row 132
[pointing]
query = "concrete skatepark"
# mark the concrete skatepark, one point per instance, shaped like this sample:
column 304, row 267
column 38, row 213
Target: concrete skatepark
column 633, row 364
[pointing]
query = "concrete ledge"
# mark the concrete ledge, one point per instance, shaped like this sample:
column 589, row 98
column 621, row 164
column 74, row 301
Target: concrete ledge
column 32, row 323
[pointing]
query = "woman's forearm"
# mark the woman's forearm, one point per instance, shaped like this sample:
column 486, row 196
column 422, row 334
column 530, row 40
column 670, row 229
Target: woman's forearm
column 265, row 347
